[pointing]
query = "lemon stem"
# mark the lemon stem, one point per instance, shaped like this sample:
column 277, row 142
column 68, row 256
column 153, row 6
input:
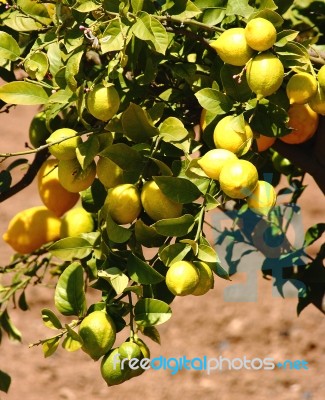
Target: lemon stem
column 131, row 316
column 202, row 213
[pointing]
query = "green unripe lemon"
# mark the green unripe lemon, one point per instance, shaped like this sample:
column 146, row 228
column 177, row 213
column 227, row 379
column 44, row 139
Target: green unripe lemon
column 98, row 333
column 66, row 149
column 73, row 178
column 206, row 280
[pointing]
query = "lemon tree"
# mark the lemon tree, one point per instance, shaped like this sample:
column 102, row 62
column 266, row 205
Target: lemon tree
column 152, row 119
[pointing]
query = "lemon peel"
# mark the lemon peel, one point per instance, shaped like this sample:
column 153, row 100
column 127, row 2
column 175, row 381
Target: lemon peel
column 124, row 204
column 301, row 88
column 103, row 102
column 75, row 222
column 260, row 34
column 213, row 161
column 262, row 199
column 182, row 278
column 73, row 178
column 65, row 150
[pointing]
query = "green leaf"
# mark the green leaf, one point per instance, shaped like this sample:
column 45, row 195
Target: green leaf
column 268, row 4
column 174, row 252
column 137, row 124
column 184, row 9
column 70, row 248
column 179, row 190
column 115, row 277
column 21, row 23
column 314, row 233
column 123, row 155
column 69, row 295
column 141, row 272
column 37, row 65
column 85, row 6
column 238, row 91
column 115, row 232
column 9, row 48
column 239, row 7
column 50, row 319
column 8, row 326
column 49, row 346
column 5, row 381
column 72, row 68
column 35, row 9
column 150, row 30
column 173, row 130
column 214, row 101
column 22, row 302
column 175, row 226
column 152, row 333
column 72, row 341
column 163, row 168
column 285, row 36
column 271, row 16
column 23, row 93
column 86, row 151
column 93, row 198
column 149, row 312
column 114, row 36
column 207, row 254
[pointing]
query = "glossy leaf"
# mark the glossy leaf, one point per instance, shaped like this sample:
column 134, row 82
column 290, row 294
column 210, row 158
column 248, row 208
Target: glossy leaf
column 175, row 226
column 214, row 101
column 50, row 319
column 150, row 312
column 116, row 278
column 179, row 190
column 69, row 295
column 72, row 341
column 9, row 48
column 50, row 346
column 23, row 93
column 71, row 248
column 137, row 124
column 115, row 232
column 141, row 272
column 174, row 252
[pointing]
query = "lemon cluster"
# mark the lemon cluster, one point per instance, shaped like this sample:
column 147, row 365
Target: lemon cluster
column 239, row 47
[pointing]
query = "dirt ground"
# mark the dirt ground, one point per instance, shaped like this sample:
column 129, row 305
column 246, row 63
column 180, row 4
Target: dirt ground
column 210, row 326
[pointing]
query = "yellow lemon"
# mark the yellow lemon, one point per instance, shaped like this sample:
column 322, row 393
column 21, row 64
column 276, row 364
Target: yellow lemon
column 31, row 228
column 38, row 131
column 260, row 34
column 54, row 196
column 213, row 161
column 301, row 88
column 109, row 173
column 65, row 150
column 182, row 278
column 113, row 370
column 75, row 222
column 264, row 142
column 304, row 122
column 321, row 77
column 124, row 204
column 264, row 74
column 103, row 102
column 238, row 178
column 206, row 280
column 73, row 178
column 98, row 334
column 317, row 102
column 229, row 136
column 262, row 199
column 232, row 47
column 157, row 205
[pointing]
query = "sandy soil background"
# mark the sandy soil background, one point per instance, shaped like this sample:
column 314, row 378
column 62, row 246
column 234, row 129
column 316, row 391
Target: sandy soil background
column 208, row 326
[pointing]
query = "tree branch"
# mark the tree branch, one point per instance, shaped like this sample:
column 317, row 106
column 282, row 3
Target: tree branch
column 28, row 178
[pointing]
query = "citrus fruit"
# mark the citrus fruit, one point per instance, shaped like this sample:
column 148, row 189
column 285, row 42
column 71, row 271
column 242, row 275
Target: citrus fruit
column 109, row 173
column 157, row 205
column 230, row 135
column 112, row 370
column 264, row 142
column 124, row 204
column 75, row 222
column 103, row 102
column 29, row 229
column 282, row 164
column 65, row 150
column 182, row 278
column 38, row 131
column 73, row 178
column 214, row 160
column 238, row 178
column 130, row 350
column 301, row 88
column 143, row 347
column 264, row 74
column 54, row 196
column 304, row 122
column 317, row 102
column 262, row 199
column 98, row 334
column 232, row 47
column 321, row 77
column 260, row 34
column 206, row 281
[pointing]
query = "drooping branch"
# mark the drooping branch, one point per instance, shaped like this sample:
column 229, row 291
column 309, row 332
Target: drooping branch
column 28, row 178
